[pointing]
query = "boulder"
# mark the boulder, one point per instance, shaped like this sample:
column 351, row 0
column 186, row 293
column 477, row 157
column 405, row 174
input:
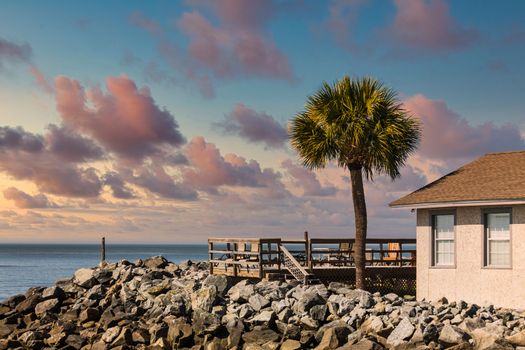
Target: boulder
column 110, row 334
column 306, row 302
column 333, row 338
column 204, row 298
column 54, row 292
column 123, row 338
column 258, row 302
column 222, row 283
column 402, row 332
column 85, row 278
column 452, row 335
column 46, row 306
column 517, row 339
column 372, row 325
column 260, row 337
column 291, row 344
column 155, row 262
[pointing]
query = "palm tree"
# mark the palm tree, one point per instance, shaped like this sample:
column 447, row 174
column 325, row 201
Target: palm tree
column 360, row 124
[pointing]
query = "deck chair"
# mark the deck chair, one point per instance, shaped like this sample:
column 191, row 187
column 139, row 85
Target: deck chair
column 343, row 254
column 393, row 253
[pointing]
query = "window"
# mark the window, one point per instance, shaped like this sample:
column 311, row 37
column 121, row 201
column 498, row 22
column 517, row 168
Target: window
column 497, row 239
column 443, row 240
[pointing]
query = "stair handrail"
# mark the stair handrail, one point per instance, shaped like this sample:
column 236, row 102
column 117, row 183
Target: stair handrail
column 289, row 258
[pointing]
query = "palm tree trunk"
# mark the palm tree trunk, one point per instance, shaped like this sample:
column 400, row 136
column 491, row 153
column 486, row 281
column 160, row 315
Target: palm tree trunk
column 358, row 196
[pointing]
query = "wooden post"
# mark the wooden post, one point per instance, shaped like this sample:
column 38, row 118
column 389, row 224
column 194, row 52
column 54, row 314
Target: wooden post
column 210, row 255
column 307, row 250
column 279, row 256
column 236, row 248
column 261, row 273
column 103, row 251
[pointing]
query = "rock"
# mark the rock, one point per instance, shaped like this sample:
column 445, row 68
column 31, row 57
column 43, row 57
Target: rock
column 372, row 325
column 28, row 305
column 333, row 338
column 31, row 339
column 110, row 334
column 221, row 283
column 53, row 292
column 517, row 339
column 140, row 336
column 258, row 302
column 291, row 344
column 264, row 317
column 155, row 262
column 306, row 302
column 204, row 298
column 363, row 344
column 318, row 312
column 452, row 335
column 46, row 306
column 391, row 297
column 85, row 278
column 486, row 340
column 430, row 333
column 402, row 332
column 260, row 337
column 124, row 338
column 74, row 341
column 89, row 314
column 241, row 292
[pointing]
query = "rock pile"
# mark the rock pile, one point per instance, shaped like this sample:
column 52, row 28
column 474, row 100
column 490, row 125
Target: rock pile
column 156, row 304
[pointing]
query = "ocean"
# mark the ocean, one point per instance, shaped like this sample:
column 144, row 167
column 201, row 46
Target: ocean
column 28, row 265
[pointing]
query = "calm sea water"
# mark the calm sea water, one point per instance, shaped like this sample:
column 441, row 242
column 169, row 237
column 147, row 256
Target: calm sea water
column 29, row 265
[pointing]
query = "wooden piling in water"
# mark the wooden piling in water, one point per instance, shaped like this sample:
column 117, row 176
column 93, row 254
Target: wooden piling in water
column 103, row 251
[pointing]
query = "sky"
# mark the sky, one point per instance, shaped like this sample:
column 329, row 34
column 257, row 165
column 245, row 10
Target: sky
column 166, row 121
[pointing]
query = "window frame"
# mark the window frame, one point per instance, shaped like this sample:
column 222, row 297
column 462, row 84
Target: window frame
column 433, row 215
column 485, row 245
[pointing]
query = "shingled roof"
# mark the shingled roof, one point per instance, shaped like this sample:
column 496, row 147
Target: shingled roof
column 493, row 177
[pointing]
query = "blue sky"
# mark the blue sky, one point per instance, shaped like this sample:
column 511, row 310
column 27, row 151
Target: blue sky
column 456, row 65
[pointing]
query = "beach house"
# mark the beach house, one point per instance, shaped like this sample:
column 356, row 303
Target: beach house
column 471, row 232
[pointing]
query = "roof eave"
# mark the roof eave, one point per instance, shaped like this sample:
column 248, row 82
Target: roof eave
column 449, row 204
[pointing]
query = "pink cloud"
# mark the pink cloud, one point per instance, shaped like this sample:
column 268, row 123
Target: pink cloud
column 233, row 49
column 41, row 80
column 428, row 25
column 125, row 120
column 118, row 186
column 26, row 156
column 209, row 170
column 138, row 19
column 448, row 135
column 11, row 52
column 70, row 146
column 307, row 180
column 26, row 201
column 254, row 126
column 227, row 39
column 341, row 22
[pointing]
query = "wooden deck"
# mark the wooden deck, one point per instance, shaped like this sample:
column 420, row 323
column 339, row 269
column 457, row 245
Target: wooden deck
column 390, row 263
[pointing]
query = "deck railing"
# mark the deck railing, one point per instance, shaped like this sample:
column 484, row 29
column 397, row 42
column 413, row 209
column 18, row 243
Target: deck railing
column 254, row 257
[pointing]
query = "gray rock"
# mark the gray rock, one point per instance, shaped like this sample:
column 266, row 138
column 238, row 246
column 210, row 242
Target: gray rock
column 54, row 292
column 258, row 302
column 451, row 335
column 333, row 338
column 222, row 283
column 204, row 298
column 155, row 262
column 85, row 278
column 110, row 334
column 260, row 337
column 402, row 332
column 306, row 302
column 246, row 311
column 372, row 325
column 264, row 318
column 318, row 312
column 46, row 306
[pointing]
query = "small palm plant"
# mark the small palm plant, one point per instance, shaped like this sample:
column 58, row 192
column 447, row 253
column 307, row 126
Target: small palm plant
column 361, row 125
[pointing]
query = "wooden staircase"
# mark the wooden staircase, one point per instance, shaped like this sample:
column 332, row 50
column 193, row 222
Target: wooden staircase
column 296, row 269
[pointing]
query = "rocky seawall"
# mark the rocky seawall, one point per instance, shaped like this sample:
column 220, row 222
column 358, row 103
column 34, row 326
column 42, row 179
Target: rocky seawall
column 156, row 304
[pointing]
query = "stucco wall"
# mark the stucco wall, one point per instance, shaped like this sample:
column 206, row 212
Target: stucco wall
column 469, row 280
